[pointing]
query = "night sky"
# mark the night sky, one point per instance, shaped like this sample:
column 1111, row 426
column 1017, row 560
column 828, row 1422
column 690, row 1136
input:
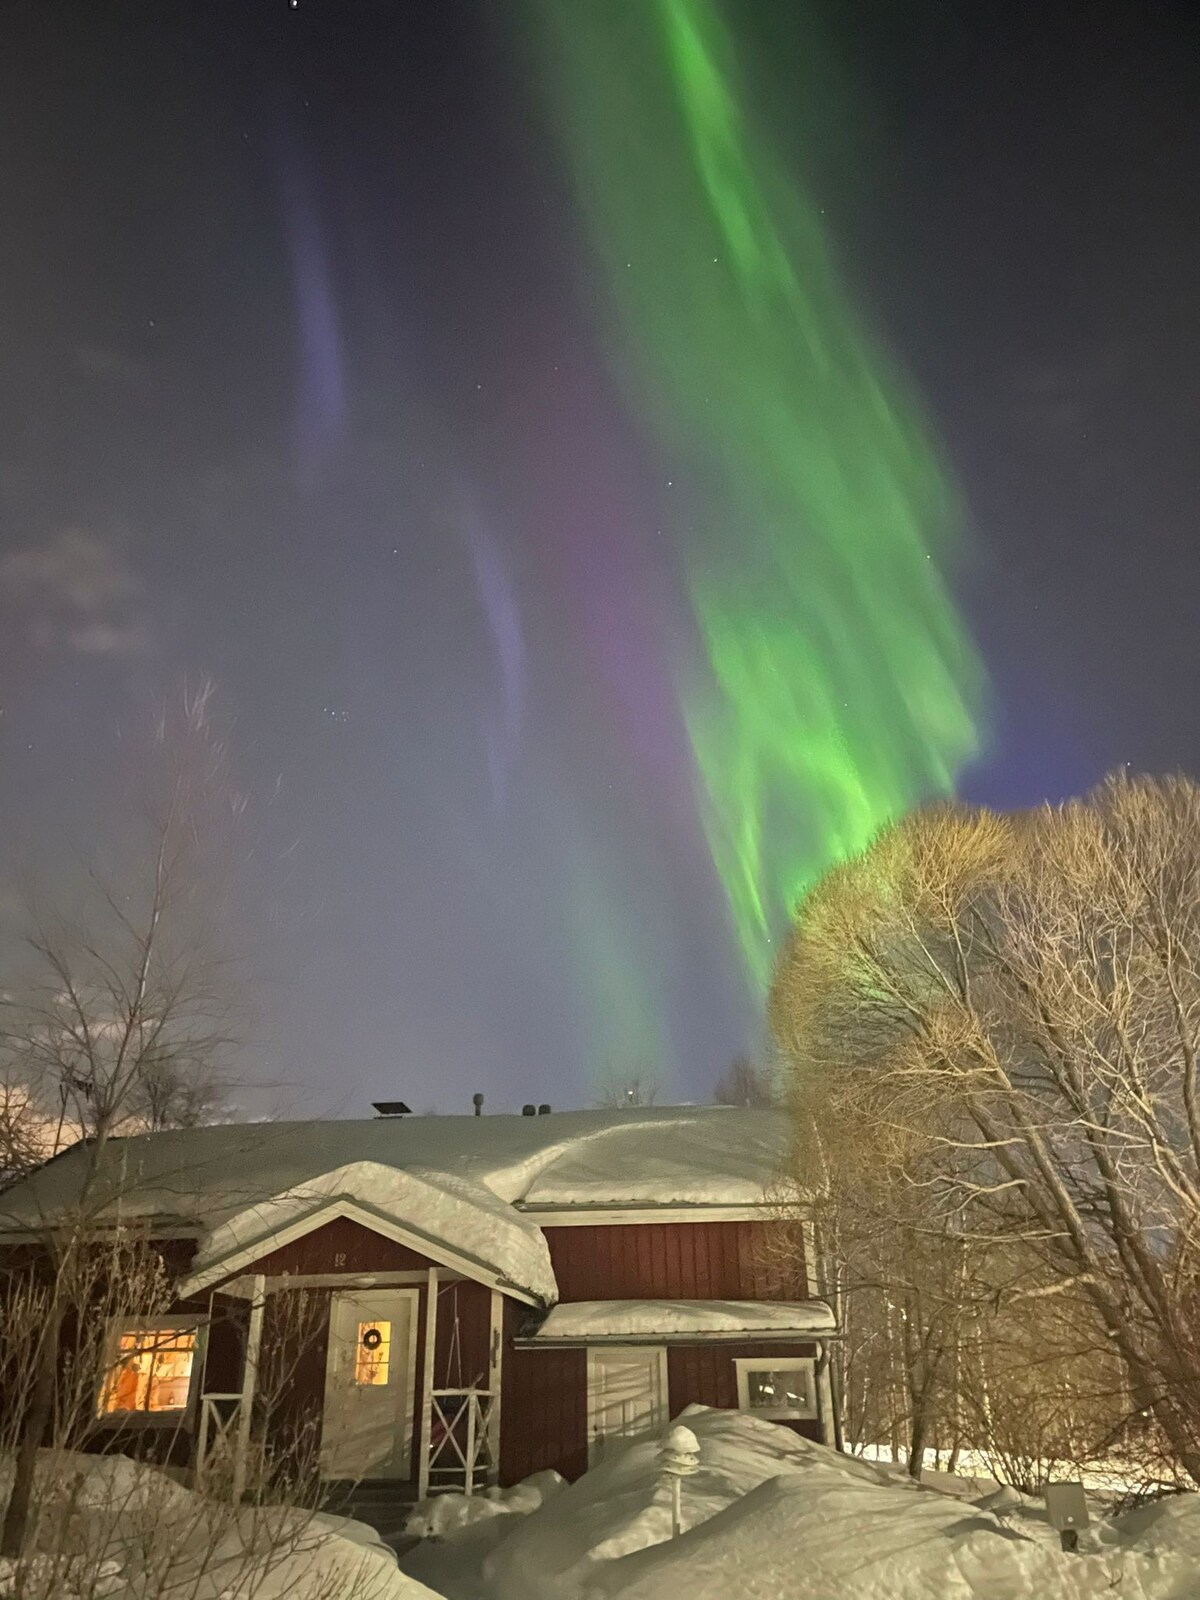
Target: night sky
column 311, row 383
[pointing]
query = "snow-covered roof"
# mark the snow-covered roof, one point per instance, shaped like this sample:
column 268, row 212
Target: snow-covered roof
column 592, row 1321
column 230, row 1184
column 446, row 1218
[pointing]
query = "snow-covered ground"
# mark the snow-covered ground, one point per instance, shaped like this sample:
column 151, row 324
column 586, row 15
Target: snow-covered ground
column 772, row 1517
column 109, row 1529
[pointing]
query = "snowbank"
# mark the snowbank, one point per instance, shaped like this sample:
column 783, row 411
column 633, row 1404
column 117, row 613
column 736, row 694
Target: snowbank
column 109, row 1527
column 458, row 1532
column 445, row 1514
column 770, row 1516
column 584, row 1321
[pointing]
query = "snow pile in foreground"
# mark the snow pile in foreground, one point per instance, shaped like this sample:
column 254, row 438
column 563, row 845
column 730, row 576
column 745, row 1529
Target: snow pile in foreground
column 770, row 1516
column 442, row 1515
column 458, row 1532
column 109, row 1527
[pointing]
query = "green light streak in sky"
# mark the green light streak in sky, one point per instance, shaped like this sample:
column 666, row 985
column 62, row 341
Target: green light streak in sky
column 840, row 685
column 623, row 1026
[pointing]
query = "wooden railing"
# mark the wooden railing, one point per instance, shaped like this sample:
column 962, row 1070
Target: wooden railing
column 219, row 1443
column 461, row 1449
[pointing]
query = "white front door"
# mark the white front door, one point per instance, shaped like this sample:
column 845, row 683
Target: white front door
column 627, row 1395
column 367, row 1427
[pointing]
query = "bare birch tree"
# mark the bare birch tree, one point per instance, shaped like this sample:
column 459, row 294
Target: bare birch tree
column 121, row 1020
column 1008, row 1010
column 627, row 1086
column 746, row 1082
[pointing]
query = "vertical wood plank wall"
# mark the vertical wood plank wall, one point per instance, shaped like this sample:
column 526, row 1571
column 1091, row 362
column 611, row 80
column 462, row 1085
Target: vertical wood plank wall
column 545, row 1391
column 706, row 1375
column 545, row 1407
column 345, row 1246
column 672, row 1261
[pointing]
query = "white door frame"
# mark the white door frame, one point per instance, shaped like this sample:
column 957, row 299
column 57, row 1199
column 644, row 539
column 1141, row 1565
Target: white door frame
column 411, row 1297
column 595, row 1358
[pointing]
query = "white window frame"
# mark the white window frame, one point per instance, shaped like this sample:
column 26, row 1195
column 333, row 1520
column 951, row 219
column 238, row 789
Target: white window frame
column 112, row 1352
column 745, row 1365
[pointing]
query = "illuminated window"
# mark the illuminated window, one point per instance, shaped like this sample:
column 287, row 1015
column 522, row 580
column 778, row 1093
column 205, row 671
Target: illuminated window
column 781, row 1389
column 150, row 1372
column 373, row 1352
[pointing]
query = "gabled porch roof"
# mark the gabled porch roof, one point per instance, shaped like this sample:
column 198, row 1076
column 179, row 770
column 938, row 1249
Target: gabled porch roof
column 454, row 1222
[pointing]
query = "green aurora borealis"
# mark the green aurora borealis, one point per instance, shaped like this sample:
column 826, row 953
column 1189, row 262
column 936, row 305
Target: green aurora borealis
column 838, row 686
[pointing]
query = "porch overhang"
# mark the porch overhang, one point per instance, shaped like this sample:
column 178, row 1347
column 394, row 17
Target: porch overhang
column 592, row 1323
column 427, row 1217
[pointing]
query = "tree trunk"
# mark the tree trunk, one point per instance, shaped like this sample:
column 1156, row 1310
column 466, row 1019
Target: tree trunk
column 916, row 1442
column 33, row 1431
column 1180, row 1436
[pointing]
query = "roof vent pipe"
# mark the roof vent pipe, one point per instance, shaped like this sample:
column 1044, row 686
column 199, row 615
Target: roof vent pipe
column 543, row 1110
column 477, row 1102
column 529, row 1111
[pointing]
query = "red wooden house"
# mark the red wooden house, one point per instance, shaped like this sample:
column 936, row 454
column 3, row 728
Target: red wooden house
column 488, row 1296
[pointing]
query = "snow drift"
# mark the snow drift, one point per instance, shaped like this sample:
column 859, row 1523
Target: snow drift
column 109, row 1527
column 770, row 1516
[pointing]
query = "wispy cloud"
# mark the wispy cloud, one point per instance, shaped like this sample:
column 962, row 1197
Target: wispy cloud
column 75, row 594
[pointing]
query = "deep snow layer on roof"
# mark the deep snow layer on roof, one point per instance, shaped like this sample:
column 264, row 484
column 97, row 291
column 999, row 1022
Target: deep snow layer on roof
column 585, row 1320
column 456, row 1179
column 663, row 1155
column 485, row 1236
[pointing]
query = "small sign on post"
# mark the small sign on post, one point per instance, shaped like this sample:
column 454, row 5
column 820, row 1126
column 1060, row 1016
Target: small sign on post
column 1066, row 1509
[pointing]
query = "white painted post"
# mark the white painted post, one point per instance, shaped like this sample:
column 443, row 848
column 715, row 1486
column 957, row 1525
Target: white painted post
column 823, row 1383
column 202, row 1441
column 472, row 1409
column 495, row 1382
column 249, row 1384
column 431, row 1297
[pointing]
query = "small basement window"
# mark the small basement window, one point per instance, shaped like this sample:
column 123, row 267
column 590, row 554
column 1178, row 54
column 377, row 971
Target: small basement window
column 784, row 1389
column 149, row 1371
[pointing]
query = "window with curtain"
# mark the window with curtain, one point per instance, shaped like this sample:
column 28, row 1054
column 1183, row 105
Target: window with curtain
column 149, row 1372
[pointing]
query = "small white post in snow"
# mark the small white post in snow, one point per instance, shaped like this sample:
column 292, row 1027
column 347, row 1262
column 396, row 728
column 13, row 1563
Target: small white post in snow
column 678, row 1458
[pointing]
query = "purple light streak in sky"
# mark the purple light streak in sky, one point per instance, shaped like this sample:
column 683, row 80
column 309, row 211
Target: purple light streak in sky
column 499, row 602
column 321, row 408
column 617, row 576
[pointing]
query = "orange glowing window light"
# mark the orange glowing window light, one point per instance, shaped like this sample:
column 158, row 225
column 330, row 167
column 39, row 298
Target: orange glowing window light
column 151, row 1371
column 373, row 1353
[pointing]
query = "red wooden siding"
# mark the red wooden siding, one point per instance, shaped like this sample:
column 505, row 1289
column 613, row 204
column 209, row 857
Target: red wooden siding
column 671, row 1261
column 291, row 1386
column 705, row 1374
column 543, row 1420
column 225, row 1345
column 463, row 1339
column 340, row 1246
column 461, row 1344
